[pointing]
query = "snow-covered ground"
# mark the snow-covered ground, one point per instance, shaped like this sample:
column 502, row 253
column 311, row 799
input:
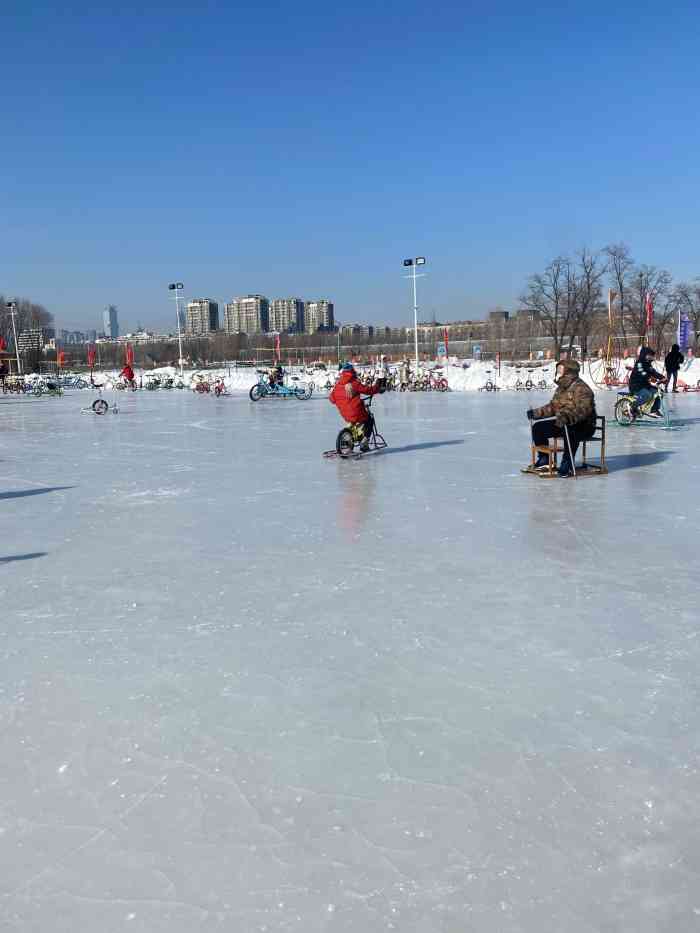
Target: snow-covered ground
column 248, row 689
column 471, row 378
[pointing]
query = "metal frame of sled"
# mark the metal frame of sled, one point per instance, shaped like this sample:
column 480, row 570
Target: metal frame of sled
column 560, row 445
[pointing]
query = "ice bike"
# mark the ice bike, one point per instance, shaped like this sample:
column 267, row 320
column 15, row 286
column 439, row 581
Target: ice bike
column 349, row 439
column 628, row 412
column 263, row 389
column 47, row 388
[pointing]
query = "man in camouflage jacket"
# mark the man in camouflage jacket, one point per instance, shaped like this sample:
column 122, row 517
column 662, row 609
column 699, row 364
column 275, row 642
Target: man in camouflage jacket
column 573, row 406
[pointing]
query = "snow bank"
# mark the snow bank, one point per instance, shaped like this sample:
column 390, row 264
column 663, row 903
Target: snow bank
column 460, row 379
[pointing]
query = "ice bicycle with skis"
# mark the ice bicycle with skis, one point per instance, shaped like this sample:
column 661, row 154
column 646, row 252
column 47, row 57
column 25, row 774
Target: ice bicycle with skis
column 264, row 389
column 628, row 411
column 351, row 437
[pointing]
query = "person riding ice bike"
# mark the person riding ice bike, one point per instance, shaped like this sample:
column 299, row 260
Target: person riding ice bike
column 571, row 414
column 347, row 398
column 643, row 382
column 276, row 377
column 128, row 375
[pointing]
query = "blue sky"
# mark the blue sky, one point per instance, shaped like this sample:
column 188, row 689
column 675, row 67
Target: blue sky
column 307, row 148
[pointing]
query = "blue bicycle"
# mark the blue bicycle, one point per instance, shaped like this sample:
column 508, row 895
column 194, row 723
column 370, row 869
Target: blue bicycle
column 264, row 389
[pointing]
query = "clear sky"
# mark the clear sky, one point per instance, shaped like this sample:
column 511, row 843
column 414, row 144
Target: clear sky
column 306, row 148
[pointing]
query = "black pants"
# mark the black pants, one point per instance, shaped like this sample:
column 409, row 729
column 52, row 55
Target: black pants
column 673, row 374
column 545, row 428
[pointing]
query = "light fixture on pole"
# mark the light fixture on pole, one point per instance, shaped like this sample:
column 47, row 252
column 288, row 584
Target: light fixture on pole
column 11, row 308
column 412, row 263
column 177, row 288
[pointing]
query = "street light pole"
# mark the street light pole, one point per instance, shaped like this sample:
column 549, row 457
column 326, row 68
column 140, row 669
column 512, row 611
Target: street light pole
column 338, row 325
column 417, row 261
column 177, row 287
column 11, row 307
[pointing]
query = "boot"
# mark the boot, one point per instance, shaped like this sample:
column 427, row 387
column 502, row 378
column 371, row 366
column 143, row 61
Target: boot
column 565, row 468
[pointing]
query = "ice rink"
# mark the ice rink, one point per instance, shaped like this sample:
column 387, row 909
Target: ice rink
column 248, row 689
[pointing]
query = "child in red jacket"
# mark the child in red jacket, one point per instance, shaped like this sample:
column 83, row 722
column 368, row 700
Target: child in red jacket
column 347, row 398
column 128, row 374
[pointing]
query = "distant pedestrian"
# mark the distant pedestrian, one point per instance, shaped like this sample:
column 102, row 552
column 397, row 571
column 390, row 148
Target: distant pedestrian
column 3, row 374
column 673, row 362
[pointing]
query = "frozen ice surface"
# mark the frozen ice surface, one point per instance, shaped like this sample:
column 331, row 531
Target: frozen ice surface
column 248, row 689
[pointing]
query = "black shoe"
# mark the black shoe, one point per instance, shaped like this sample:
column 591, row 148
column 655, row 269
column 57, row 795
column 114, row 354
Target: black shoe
column 565, row 468
column 542, row 461
column 364, row 447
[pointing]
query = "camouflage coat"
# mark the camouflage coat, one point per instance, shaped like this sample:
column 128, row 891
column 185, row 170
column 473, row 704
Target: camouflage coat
column 572, row 403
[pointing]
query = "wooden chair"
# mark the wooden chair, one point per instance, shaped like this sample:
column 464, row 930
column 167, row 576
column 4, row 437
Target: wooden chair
column 598, row 438
column 557, row 445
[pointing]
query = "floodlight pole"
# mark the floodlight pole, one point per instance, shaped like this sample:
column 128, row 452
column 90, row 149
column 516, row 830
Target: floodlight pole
column 338, row 325
column 176, row 287
column 12, row 309
column 417, row 261
column 415, row 314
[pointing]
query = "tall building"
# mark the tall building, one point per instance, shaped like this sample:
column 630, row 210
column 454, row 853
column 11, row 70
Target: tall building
column 202, row 316
column 247, row 315
column 110, row 323
column 287, row 314
column 357, row 330
column 318, row 315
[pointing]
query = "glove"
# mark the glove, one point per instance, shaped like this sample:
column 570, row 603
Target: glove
column 560, row 421
column 530, row 414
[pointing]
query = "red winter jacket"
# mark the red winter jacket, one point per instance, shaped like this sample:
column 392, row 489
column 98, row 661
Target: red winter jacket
column 127, row 373
column 346, row 397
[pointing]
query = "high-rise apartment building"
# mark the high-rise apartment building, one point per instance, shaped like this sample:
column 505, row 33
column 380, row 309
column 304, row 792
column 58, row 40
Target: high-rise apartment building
column 287, row 314
column 110, row 323
column 318, row 315
column 247, row 315
column 202, row 316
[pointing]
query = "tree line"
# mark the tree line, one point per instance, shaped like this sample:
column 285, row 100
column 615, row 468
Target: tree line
column 569, row 298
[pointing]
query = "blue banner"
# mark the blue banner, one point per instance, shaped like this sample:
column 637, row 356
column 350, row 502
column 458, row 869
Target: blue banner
column 684, row 335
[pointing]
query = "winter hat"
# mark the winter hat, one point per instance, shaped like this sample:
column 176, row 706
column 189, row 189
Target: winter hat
column 569, row 366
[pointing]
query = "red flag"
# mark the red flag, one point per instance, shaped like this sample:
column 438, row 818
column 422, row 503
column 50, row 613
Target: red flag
column 129, row 355
column 3, row 345
column 649, row 323
column 447, row 342
column 61, row 357
column 278, row 351
column 91, row 357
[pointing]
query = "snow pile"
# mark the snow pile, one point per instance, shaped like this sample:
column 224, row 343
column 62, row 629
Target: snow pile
column 461, row 378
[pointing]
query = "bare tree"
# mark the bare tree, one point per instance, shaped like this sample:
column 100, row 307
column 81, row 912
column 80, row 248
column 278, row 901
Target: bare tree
column 647, row 282
column 621, row 267
column 588, row 277
column 548, row 296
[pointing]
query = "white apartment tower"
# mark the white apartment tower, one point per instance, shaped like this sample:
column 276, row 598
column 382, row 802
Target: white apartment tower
column 247, row 315
column 286, row 315
column 318, row 315
column 202, row 316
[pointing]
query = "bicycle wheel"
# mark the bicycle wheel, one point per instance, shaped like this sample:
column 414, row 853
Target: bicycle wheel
column 100, row 407
column 37, row 390
column 489, row 386
column 442, row 385
column 623, row 412
column 345, row 443
column 529, row 385
column 302, row 392
column 257, row 392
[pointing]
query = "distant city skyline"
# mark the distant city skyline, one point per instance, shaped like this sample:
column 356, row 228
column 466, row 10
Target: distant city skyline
column 489, row 139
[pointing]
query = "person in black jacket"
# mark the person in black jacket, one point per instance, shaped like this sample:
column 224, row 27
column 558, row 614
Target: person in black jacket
column 643, row 381
column 673, row 362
